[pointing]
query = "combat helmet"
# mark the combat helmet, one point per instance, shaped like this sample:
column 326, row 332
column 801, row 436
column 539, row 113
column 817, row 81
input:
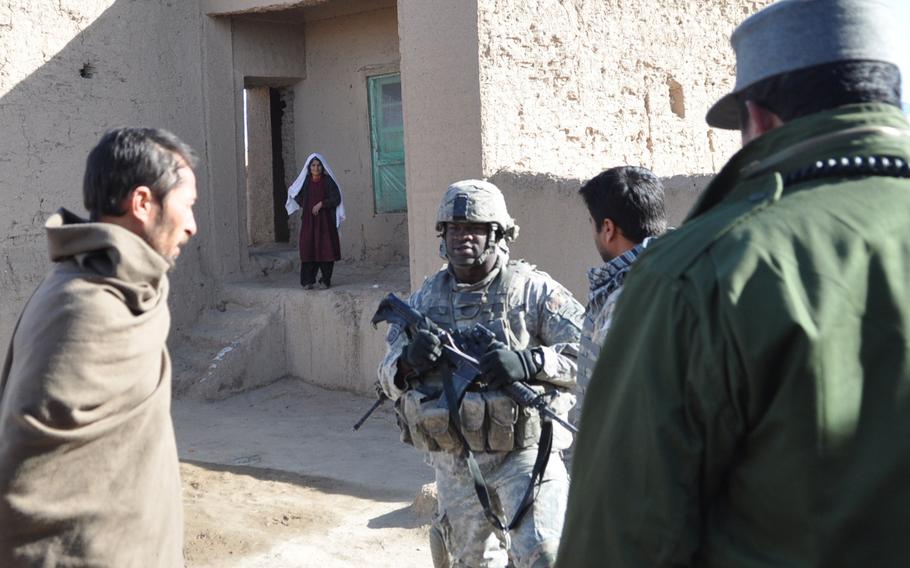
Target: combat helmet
column 476, row 201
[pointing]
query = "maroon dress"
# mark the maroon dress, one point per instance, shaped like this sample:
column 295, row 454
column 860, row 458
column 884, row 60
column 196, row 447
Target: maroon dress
column 318, row 233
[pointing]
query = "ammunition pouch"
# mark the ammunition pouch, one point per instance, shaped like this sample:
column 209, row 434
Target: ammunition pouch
column 527, row 427
column 424, row 424
column 435, row 422
column 473, row 414
column 408, row 410
column 490, row 422
column 402, row 422
column 503, row 416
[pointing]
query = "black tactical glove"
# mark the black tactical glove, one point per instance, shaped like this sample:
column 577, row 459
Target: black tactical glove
column 475, row 343
column 423, row 351
column 506, row 366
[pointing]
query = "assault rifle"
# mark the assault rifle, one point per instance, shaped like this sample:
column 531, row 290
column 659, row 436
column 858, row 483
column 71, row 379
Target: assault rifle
column 460, row 351
column 465, row 365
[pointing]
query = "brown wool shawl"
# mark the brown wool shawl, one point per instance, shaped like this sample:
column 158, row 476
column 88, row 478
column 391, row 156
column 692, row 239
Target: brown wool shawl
column 89, row 474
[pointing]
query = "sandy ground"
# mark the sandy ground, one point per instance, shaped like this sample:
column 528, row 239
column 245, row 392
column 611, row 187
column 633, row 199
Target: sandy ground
column 275, row 478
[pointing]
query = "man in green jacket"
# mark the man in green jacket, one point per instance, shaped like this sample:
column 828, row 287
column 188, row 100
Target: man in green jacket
column 755, row 411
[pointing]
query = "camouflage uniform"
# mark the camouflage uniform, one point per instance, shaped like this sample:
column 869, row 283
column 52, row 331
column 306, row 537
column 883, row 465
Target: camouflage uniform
column 525, row 308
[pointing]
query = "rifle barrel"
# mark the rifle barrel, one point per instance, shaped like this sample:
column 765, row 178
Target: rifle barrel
column 367, row 415
column 553, row 416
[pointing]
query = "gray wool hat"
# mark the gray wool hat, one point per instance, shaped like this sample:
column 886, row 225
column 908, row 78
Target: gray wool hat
column 796, row 34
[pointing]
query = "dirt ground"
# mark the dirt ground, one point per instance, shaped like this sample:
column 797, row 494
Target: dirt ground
column 275, row 478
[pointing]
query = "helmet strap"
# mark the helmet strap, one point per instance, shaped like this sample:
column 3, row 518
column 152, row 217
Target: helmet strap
column 493, row 237
column 492, row 242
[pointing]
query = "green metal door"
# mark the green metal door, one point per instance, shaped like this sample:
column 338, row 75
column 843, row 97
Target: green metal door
column 387, row 140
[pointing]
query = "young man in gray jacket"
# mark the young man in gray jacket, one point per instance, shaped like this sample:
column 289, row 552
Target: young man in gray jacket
column 626, row 207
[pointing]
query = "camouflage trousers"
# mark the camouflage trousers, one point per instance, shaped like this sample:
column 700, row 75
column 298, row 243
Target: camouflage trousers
column 469, row 537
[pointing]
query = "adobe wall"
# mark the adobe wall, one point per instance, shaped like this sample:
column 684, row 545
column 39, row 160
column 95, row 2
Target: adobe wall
column 259, row 220
column 331, row 117
column 258, row 54
column 555, row 234
column 571, row 88
column 70, row 70
column 191, row 82
column 536, row 95
column 235, row 53
column 442, row 121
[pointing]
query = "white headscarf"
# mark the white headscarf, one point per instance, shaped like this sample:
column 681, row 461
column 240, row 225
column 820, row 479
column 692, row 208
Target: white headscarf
column 295, row 188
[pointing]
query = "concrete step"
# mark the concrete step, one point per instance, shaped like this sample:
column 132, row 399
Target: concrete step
column 230, row 350
column 277, row 259
column 270, row 328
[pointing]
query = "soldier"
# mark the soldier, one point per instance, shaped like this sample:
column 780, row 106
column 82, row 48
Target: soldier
column 538, row 323
column 756, row 405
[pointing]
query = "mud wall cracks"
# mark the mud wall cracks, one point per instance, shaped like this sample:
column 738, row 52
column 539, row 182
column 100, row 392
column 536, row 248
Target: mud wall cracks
column 572, row 87
column 69, row 71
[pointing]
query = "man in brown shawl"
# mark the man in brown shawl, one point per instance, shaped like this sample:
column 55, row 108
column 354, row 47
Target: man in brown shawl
column 89, row 474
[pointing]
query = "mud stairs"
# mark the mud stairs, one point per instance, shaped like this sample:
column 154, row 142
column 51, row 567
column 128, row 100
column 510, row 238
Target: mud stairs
column 266, row 328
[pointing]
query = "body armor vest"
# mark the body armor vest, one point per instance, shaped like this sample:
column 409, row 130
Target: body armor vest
column 491, row 421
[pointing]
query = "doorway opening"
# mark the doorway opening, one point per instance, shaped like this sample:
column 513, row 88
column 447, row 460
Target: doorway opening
column 268, row 116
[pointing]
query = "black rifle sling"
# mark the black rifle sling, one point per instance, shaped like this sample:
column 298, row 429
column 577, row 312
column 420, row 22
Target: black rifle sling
column 545, row 443
column 544, row 447
column 480, row 486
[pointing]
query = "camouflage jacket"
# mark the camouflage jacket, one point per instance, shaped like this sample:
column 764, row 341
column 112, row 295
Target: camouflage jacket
column 539, row 312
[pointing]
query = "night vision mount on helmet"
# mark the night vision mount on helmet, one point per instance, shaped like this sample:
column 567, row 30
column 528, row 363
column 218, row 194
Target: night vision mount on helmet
column 476, row 201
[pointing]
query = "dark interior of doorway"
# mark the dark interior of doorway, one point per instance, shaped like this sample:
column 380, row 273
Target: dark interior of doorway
column 279, row 183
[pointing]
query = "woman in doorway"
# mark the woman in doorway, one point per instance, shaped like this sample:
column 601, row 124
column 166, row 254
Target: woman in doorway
column 318, row 196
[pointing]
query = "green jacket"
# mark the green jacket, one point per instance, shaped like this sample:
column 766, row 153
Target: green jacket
column 751, row 405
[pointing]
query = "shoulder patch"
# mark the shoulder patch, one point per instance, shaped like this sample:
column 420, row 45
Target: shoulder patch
column 523, row 263
column 558, row 299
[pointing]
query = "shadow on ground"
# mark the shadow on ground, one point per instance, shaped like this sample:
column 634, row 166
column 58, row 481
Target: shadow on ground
column 403, row 518
column 301, row 433
column 322, row 484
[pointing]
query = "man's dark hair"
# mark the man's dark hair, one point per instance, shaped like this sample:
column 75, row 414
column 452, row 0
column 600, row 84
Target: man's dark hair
column 127, row 158
column 824, row 87
column 632, row 197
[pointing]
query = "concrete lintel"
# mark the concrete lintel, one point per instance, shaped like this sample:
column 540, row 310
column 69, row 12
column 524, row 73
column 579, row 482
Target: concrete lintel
column 251, row 82
column 380, row 68
column 291, row 11
column 235, row 7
